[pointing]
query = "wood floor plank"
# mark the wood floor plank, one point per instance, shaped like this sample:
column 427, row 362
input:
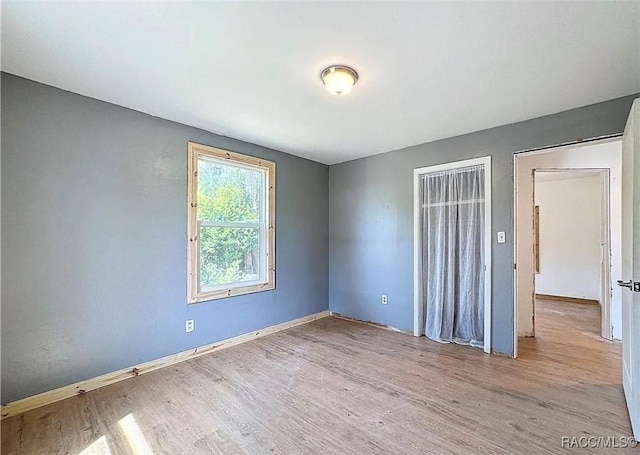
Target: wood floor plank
column 338, row 387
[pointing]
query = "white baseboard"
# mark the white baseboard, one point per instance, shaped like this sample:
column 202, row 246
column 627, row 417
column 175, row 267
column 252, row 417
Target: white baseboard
column 370, row 323
column 79, row 388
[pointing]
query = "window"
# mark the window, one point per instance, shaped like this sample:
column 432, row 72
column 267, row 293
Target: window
column 231, row 224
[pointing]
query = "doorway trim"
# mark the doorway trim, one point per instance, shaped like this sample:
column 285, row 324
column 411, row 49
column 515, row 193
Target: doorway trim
column 418, row 311
column 604, row 175
column 544, row 150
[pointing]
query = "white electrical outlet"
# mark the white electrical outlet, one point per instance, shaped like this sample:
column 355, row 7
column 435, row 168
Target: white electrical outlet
column 190, row 325
column 385, row 299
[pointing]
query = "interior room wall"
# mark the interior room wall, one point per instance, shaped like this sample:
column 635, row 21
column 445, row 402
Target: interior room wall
column 0, row 222
column 94, row 229
column 570, row 234
column 602, row 156
column 371, row 214
column 94, row 236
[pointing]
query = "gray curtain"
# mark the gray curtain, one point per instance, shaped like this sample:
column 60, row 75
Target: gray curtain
column 453, row 255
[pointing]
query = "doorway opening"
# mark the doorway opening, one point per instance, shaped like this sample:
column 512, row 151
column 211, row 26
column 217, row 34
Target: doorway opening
column 572, row 251
column 568, row 239
column 452, row 252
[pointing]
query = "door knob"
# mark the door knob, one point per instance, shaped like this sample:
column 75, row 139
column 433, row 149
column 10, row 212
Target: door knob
column 625, row 284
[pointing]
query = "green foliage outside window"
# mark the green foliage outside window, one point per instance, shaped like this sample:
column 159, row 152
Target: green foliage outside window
column 228, row 194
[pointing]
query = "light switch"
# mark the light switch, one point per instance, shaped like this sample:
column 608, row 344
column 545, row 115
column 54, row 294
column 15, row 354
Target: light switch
column 502, row 237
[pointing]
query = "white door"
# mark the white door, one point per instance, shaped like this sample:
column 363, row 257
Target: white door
column 631, row 265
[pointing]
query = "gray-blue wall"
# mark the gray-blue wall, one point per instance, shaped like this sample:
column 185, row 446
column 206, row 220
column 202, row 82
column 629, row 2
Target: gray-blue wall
column 94, row 233
column 371, row 213
column 94, row 229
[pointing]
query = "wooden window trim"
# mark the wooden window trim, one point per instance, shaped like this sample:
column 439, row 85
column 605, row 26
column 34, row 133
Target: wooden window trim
column 194, row 295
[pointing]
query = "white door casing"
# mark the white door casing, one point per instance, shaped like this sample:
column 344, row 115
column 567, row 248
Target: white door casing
column 604, row 153
column 605, row 243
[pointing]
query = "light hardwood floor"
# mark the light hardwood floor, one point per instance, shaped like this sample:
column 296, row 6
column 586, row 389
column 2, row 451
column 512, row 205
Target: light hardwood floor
column 334, row 386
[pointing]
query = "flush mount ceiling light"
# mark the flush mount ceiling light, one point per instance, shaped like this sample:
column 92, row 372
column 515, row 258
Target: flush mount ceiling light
column 339, row 79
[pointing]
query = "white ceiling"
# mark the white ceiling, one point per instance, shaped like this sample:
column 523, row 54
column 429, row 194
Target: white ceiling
column 251, row 70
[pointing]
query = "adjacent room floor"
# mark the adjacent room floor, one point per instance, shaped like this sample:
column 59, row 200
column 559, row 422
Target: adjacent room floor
column 334, row 386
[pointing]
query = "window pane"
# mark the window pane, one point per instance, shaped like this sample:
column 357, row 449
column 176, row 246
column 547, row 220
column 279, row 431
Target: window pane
column 228, row 255
column 227, row 192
